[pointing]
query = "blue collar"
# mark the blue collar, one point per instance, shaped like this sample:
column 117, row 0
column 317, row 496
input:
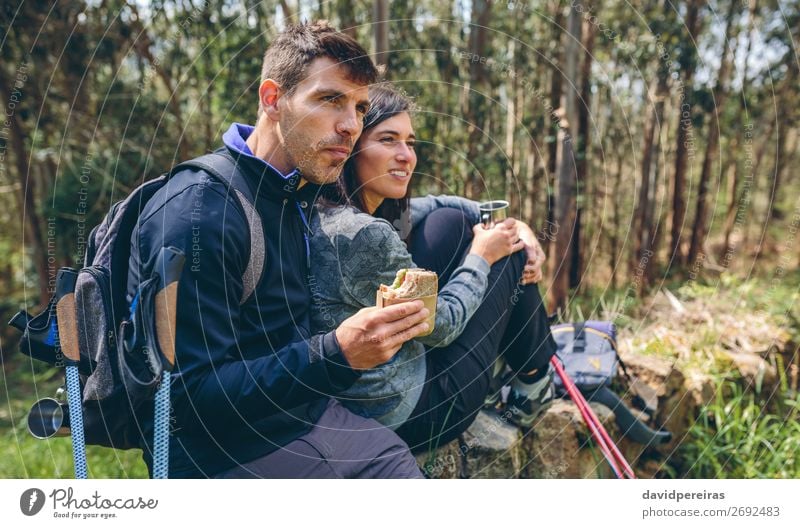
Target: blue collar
column 235, row 138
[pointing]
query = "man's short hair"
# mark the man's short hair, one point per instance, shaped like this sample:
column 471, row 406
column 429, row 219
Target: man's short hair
column 289, row 55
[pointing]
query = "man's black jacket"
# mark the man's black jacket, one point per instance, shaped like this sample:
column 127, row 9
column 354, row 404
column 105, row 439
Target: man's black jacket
column 250, row 378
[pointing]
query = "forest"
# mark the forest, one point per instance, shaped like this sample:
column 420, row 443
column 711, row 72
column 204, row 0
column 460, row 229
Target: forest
column 650, row 143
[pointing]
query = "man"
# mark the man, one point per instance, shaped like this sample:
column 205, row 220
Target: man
column 251, row 391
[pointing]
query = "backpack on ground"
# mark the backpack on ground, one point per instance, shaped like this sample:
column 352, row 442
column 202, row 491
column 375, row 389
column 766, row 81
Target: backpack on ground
column 119, row 354
column 588, row 353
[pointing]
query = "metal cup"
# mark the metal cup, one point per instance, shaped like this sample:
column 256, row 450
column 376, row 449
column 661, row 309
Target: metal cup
column 493, row 212
column 48, row 417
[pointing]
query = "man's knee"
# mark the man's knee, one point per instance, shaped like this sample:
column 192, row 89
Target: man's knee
column 359, row 447
column 394, row 461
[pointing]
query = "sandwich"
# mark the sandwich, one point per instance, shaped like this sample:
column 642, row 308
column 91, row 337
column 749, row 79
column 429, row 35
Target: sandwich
column 411, row 284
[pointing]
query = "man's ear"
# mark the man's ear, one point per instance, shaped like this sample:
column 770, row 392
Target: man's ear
column 269, row 92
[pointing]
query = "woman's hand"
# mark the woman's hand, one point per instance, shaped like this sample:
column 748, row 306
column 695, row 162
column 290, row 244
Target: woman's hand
column 498, row 242
column 532, row 273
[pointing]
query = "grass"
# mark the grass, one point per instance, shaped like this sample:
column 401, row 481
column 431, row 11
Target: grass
column 23, row 456
column 739, row 434
column 734, row 437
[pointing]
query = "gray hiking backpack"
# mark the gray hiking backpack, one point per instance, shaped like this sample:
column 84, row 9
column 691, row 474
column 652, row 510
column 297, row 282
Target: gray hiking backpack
column 122, row 359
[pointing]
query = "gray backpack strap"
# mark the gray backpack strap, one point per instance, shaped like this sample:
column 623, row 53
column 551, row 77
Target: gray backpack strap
column 224, row 169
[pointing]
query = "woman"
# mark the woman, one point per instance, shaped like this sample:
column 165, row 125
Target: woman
column 435, row 385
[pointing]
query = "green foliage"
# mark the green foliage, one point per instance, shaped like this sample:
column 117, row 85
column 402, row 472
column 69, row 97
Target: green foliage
column 23, row 456
column 113, row 96
column 735, row 437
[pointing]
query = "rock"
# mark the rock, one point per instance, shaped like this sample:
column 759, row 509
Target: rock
column 655, row 372
column 756, row 372
column 490, row 448
column 650, row 469
column 444, row 463
column 646, row 393
column 557, row 446
column 676, row 405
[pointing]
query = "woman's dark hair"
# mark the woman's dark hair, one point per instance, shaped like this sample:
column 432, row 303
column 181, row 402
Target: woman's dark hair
column 385, row 102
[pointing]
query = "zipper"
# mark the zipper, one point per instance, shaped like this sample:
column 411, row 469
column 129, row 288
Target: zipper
column 306, row 231
column 571, row 328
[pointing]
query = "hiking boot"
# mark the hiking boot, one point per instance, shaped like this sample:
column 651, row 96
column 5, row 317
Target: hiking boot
column 525, row 409
column 494, row 398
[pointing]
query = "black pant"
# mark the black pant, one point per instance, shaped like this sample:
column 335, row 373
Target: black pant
column 340, row 445
column 511, row 321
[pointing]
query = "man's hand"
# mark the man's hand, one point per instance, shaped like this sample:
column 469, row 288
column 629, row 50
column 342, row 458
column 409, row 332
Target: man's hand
column 532, row 273
column 373, row 336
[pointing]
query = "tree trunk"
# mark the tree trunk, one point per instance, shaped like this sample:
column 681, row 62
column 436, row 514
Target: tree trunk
column 32, row 223
column 556, row 82
column 583, row 148
column 536, row 179
column 347, row 22
column 685, row 136
column 784, row 126
column 380, row 17
column 738, row 201
column 754, row 172
column 735, row 203
column 288, row 14
column 614, row 238
column 478, row 76
column 514, row 186
column 700, row 229
column 567, row 175
column 773, row 211
column 644, row 235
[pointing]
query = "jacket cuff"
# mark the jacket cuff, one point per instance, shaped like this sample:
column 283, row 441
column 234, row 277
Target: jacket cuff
column 341, row 374
column 477, row 262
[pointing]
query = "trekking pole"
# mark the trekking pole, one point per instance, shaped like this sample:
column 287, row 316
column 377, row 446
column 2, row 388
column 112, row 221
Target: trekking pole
column 609, row 449
column 611, row 445
column 168, row 266
column 590, row 424
column 67, row 329
column 628, row 471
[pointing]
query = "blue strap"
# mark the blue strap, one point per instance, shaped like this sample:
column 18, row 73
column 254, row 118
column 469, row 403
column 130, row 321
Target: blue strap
column 76, row 422
column 161, row 429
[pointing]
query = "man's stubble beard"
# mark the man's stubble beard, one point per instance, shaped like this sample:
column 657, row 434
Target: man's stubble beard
column 308, row 157
column 313, row 169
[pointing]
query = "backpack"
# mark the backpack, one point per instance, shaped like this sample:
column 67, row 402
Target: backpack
column 588, row 353
column 123, row 358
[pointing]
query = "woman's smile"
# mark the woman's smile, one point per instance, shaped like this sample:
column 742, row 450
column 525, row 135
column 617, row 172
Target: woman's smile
column 385, row 160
